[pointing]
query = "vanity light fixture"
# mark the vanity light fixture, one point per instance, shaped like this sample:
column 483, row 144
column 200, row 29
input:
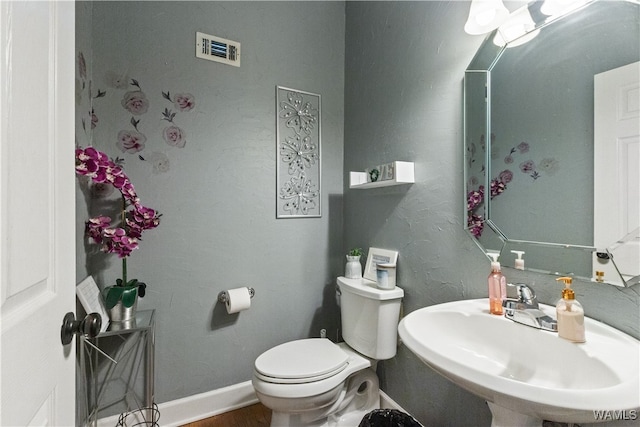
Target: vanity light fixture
column 485, row 16
column 517, row 30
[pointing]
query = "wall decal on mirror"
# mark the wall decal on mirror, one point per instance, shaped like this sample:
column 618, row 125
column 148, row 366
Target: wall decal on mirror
column 298, row 137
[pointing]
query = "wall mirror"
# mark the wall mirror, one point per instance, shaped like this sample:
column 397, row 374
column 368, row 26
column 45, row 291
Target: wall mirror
column 529, row 144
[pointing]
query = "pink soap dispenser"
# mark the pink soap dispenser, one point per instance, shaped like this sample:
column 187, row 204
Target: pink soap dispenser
column 497, row 286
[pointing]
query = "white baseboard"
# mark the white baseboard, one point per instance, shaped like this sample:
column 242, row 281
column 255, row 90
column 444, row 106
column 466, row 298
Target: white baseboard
column 197, row 407
column 204, row 405
column 388, row 403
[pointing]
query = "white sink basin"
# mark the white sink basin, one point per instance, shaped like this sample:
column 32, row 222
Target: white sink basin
column 528, row 375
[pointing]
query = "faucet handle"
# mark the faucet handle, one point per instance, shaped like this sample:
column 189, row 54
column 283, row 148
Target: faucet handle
column 522, row 293
column 527, row 295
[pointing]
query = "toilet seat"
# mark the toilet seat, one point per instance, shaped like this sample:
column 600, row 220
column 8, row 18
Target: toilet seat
column 301, row 361
column 302, row 390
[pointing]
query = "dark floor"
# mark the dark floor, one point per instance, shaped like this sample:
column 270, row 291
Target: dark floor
column 251, row 416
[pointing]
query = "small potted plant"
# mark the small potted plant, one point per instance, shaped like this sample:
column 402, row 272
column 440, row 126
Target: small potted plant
column 120, row 299
column 353, row 269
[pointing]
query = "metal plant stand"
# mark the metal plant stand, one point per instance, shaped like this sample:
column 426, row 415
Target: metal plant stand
column 117, row 369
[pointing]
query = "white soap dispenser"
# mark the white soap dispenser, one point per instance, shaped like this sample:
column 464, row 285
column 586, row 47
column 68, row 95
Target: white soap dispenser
column 497, row 285
column 519, row 264
column 570, row 314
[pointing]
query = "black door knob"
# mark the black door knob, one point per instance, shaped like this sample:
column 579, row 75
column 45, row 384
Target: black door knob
column 89, row 326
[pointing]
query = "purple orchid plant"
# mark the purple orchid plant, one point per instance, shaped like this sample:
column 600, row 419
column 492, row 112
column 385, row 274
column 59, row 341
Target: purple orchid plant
column 122, row 240
column 475, row 222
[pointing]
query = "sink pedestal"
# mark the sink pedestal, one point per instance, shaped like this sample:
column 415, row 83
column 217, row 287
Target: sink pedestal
column 503, row 417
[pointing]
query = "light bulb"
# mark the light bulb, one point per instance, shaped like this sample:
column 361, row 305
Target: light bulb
column 485, row 16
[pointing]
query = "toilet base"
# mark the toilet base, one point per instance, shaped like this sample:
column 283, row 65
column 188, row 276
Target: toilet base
column 359, row 396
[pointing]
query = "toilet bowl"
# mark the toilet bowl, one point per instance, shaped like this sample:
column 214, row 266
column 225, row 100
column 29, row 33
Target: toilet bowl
column 317, row 383
column 316, row 391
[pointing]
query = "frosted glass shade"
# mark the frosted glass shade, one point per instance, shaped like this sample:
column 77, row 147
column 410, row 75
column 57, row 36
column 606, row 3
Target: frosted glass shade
column 485, row 16
column 557, row 8
column 517, row 30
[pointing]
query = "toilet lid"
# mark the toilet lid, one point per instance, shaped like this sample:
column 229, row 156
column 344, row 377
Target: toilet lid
column 302, row 361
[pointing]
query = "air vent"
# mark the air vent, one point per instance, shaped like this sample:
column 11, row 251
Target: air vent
column 217, row 49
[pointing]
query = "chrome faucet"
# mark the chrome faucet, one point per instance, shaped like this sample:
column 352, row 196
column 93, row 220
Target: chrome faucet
column 525, row 309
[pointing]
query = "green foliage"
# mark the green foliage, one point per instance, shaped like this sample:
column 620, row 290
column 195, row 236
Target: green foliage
column 355, row 252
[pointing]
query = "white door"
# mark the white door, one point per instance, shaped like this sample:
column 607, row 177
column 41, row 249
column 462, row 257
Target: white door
column 617, row 169
column 37, row 212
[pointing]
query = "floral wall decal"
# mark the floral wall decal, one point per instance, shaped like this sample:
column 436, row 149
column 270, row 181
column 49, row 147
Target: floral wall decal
column 136, row 103
column 298, row 167
column 174, row 135
column 142, row 134
column 84, row 91
column 475, row 197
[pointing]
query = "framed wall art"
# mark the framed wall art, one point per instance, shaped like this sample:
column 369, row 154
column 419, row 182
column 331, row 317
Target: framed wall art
column 298, row 135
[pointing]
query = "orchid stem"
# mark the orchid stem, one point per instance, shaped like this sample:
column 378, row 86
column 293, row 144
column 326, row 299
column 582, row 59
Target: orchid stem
column 124, row 272
column 124, row 260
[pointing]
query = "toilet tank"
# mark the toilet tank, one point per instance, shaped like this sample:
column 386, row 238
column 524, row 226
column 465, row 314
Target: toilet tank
column 370, row 317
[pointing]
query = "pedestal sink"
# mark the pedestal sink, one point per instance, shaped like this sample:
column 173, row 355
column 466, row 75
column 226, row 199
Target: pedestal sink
column 528, row 375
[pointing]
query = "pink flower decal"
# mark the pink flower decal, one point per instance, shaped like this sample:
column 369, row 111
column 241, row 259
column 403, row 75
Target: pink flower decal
column 160, row 162
column 184, row 101
column 174, row 136
column 549, row 165
column 130, row 141
column 523, row 147
column 506, row 176
column 94, row 119
column 528, row 166
column 135, row 102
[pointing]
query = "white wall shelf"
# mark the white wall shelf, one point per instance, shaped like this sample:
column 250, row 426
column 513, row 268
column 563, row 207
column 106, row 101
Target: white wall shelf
column 403, row 174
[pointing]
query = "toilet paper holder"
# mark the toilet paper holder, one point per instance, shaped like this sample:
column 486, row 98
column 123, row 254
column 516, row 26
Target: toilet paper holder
column 223, row 296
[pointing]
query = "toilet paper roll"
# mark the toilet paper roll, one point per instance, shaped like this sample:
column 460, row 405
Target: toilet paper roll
column 237, row 300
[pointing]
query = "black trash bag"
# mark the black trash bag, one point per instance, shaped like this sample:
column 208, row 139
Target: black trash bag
column 388, row 418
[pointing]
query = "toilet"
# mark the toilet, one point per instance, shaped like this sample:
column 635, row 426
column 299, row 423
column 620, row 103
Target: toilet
column 317, row 383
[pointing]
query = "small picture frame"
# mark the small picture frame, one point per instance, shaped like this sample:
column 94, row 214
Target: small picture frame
column 378, row 256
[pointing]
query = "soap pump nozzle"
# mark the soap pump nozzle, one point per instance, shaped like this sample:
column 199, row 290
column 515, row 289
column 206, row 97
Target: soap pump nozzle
column 495, row 265
column 519, row 264
column 567, row 292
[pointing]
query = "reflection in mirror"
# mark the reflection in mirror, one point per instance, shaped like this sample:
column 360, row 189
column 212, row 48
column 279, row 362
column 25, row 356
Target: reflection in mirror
column 529, row 135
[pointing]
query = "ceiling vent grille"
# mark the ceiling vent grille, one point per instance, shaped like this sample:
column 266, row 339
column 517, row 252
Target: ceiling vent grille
column 217, row 49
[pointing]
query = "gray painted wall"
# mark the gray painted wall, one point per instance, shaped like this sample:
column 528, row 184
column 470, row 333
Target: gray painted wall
column 218, row 228
column 402, row 81
column 403, row 101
